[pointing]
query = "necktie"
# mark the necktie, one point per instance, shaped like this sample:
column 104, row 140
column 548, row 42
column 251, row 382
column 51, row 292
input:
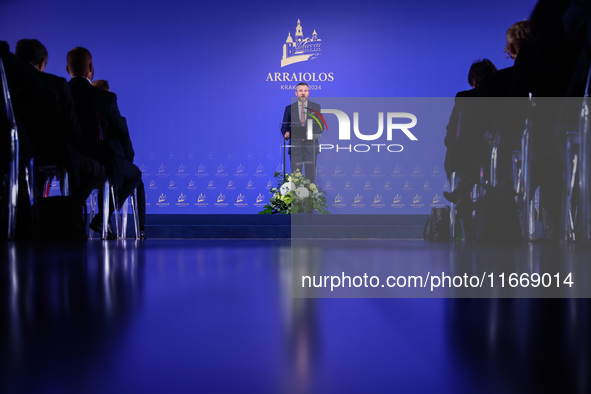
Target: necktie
column 303, row 116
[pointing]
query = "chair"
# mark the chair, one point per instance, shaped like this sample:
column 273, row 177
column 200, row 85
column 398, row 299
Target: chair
column 14, row 156
column 109, row 192
column 455, row 231
column 453, row 183
column 585, row 166
column 13, row 174
column 569, row 210
column 93, row 202
column 575, row 208
column 527, row 197
column 121, row 216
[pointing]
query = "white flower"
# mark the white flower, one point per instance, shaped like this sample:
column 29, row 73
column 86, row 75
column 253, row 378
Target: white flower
column 286, row 188
column 302, row 192
column 313, row 187
column 298, row 174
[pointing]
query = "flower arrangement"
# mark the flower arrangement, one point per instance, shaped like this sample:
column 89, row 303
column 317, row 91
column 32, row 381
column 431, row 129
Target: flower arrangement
column 295, row 194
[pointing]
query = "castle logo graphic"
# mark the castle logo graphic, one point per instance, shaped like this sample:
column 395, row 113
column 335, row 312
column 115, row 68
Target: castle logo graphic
column 300, row 49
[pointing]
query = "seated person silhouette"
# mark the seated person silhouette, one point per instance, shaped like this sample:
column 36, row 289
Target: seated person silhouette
column 105, row 136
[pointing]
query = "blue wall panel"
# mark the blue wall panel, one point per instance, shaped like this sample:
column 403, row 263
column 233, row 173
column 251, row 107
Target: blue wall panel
column 193, row 78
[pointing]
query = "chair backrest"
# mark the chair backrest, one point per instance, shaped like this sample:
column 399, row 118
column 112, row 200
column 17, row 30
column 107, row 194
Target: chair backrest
column 14, row 153
column 6, row 95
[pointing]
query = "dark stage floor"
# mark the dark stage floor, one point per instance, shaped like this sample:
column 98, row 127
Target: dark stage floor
column 210, row 316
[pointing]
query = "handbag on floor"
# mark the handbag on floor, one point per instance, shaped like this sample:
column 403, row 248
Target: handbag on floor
column 437, row 226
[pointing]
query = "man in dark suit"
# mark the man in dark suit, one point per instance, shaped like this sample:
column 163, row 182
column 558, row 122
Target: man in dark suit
column 105, row 136
column 47, row 110
column 467, row 147
column 141, row 193
column 302, row 150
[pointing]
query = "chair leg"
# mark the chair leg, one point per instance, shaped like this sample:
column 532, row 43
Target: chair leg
column 585, row 170
column 14, row 157
column 567, row 230
column 93, row 204
column 136, row 221
column 30, row 181
column 453, row 183
column 122, row 232
column 106, row 195
column 65, row 184
column 528, row 202
column 115, row 201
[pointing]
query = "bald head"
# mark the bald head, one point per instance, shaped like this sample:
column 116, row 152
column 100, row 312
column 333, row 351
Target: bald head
column 80, row 63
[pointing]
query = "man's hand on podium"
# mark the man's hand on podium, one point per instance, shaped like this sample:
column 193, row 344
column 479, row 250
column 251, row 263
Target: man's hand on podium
column 286, row 135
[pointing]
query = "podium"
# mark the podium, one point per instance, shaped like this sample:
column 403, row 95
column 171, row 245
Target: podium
column 303, row 143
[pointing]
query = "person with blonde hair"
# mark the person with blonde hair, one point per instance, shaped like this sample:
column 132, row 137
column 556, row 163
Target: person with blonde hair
column 516, row 35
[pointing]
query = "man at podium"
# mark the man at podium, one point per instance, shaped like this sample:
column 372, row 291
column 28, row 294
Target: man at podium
column 303, row 147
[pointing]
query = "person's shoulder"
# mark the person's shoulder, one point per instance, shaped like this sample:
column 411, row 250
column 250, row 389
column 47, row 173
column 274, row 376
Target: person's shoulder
column 104, row 93
column 466, row 93
column 78, row 83
column 54, row 79
column 101, row 94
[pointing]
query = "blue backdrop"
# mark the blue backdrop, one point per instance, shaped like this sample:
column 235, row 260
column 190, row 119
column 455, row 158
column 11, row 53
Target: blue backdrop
column 203, row 87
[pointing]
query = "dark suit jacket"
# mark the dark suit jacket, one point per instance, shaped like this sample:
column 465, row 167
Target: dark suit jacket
column 105, row 136
column 506, row 113
column 43, row 103
column 56, row 129
column 467, row 148
column 291, row 114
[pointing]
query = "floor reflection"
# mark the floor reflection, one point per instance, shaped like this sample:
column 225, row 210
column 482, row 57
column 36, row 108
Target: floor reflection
column 220, row 316
column 522, row 345
column 61, row 304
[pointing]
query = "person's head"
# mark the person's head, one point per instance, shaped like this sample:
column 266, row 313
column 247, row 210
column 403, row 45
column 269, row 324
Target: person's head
column 480, row 71
column 31, row 51
column 302, row 91
column 102, row 84
column 80, row 63
column 516, row 35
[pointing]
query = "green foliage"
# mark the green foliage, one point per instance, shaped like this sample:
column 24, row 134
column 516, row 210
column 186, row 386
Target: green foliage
column 295, row 194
